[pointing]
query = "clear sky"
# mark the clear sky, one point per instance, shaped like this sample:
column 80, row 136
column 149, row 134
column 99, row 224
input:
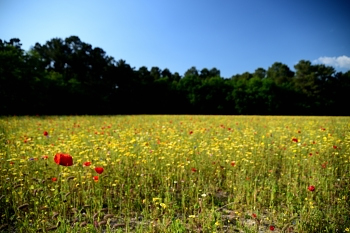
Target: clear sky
column 233, row 36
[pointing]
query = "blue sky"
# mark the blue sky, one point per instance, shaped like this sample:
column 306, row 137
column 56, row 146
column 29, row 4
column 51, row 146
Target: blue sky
column 233, row 36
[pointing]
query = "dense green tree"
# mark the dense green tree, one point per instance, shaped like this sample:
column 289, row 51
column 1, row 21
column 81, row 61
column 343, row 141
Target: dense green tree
column 204, row 73
column 245, row 76
column 260, row 73
column 72, row 77
column 191, row 72
column 212, row 95
column 339, row 93
column 20, row 90
column 238, row 95
column 156, row 73
column 176, row 77
column 279, row 73
column 144, row 76
column 86, row 71
column 166, row 73
column 214, row 72
column 311, row 85
column 188, row 87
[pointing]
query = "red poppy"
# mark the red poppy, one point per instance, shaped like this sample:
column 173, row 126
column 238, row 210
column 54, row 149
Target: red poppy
column 311, row 188
column 99, row 170
column 44, row 157
column 95, row 178
column 193, row 169
column 191, row 132
column 86, row 164
column 295, row 140
column 335, row 147
column 46, row 133
column 254, row 215
column 272, row 228
column 63, row 159
column 54, row 179
column 233, row 163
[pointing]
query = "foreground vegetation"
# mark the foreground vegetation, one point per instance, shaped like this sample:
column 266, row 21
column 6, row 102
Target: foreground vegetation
column 175, row 174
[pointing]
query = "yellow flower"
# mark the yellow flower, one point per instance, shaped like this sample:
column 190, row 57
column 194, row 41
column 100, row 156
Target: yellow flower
column 163, row 205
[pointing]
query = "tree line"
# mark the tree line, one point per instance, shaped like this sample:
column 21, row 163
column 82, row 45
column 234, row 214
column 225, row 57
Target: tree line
column 72, row 77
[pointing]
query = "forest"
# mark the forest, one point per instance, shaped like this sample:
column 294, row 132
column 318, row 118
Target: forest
column 71, row 77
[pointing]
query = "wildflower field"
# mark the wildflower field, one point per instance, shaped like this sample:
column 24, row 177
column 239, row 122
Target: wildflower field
column 174, row 174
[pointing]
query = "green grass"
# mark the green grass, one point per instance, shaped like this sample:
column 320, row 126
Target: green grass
column 175, row 174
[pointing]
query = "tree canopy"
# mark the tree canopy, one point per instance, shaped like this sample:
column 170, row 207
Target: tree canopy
column 73, row 77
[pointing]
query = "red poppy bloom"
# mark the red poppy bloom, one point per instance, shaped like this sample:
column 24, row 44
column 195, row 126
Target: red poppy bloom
column 46, row 133
column 86, row 164
column 95, row 178
column 254, row 215
column 272, row 228
column 233, row 163
column 335, row 147
column 63, row 159
column 54, row 179
column 44, row 157
column 193, row 169
column 99, row 170
column 311, row 188
column 295, row 140
column 191, row 132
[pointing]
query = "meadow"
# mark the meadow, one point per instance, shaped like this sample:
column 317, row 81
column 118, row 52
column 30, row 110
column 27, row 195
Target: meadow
column 174, row 174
